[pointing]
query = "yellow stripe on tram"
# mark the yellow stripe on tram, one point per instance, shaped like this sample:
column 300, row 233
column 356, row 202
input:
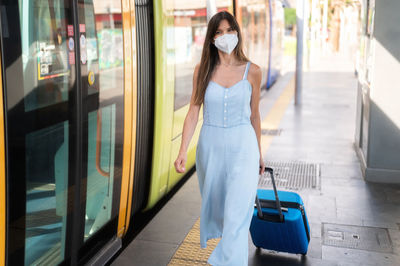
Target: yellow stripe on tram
column 134, row 111
column 2, row 179
column 133, row 108
column 190, row 252
column 129, row 119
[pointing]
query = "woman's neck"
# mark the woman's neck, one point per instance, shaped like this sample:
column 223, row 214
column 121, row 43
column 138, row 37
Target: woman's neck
column 227, row 59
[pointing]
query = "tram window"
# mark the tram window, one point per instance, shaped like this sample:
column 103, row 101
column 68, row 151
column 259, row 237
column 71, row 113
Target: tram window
column 190, row 26
column 47, row 183
column 104, row 43
column 100, row 169
column 44, row 53
column 46, row 80
column 104, row 47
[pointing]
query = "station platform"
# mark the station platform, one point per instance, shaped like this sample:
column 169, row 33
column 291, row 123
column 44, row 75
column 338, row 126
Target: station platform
column 352, row 222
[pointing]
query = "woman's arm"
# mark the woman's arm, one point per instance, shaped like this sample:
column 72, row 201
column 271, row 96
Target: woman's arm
column 254, row 78
column 189, row 127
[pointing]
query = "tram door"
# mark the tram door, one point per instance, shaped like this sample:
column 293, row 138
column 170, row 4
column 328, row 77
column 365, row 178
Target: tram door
column 62, row 65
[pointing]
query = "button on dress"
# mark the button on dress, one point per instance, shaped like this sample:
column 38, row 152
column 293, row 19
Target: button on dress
column 227, row 164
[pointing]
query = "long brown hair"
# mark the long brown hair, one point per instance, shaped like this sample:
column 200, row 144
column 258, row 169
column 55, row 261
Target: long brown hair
column 210, row 57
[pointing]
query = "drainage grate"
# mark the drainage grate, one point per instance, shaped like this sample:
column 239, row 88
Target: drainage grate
column 271, row 132
column 357, row 237
column 292, row 175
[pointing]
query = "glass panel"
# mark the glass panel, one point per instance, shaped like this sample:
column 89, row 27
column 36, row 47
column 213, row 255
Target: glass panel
column 46, row 182
column 104, row 46
column 190, row 27
column 101, row 155
column 44, row 52
column 46, row 81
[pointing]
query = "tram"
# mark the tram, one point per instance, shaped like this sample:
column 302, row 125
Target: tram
column 93, row 96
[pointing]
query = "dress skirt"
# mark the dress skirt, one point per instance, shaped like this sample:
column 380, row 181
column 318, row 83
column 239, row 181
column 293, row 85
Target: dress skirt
column 227, row 164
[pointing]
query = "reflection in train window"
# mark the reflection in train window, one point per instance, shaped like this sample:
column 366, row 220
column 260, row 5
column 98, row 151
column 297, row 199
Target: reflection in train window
column 44, row 52
column 46, row 183
column 101, row 154
column 104, row 47
column 104, row 43
column 46, row 81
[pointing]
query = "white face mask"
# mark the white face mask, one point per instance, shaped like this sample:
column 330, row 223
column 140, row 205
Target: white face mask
column 227, row 42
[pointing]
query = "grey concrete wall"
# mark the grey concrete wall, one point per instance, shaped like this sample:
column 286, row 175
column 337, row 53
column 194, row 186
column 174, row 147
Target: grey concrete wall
column 384, row 133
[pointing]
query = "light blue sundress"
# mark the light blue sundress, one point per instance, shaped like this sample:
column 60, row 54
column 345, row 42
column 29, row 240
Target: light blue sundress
column 227, row 164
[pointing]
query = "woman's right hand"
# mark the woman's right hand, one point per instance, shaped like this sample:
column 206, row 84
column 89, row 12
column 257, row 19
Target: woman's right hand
column 180, row 162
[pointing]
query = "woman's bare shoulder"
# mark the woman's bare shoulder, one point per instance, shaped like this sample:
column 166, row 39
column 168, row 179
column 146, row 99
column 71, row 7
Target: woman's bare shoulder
column 196, row 68
column 254, row 72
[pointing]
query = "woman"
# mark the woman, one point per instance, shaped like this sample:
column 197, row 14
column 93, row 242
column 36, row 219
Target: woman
column 228, row 155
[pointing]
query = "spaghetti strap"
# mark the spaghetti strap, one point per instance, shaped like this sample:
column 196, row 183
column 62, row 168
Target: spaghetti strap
column 246, row 71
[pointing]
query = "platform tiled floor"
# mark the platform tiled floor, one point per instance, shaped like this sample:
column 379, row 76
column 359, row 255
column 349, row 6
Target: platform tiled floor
column 320, row 131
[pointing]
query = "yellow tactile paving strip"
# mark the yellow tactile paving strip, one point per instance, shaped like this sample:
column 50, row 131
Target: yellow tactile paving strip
column 190, row 252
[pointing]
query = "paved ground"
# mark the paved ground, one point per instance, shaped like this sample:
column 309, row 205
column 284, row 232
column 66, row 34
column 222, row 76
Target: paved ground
column 321, row 131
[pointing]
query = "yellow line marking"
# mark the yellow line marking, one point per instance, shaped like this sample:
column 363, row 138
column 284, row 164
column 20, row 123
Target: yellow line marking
column 190, row 252
column 274, row 117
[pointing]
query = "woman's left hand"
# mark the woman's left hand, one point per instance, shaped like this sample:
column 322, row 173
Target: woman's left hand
column 262, row 166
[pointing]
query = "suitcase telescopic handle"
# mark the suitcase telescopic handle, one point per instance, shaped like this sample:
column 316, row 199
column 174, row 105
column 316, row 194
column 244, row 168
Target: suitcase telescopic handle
column 278, row 203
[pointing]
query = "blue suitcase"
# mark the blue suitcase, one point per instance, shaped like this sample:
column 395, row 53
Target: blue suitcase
column 279, row 221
